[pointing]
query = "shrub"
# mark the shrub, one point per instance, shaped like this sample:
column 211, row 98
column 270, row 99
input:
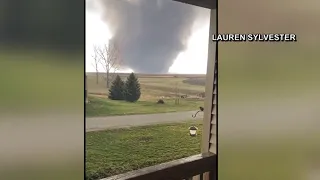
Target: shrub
column 132, row 88
column 116, row 91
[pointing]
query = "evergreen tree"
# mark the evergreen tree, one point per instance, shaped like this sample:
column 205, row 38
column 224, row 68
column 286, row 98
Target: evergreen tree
column 116, row 91
column 132, row 86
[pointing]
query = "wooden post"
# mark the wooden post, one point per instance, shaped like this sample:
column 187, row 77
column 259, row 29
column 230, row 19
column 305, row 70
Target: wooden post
column 206, row 132
column 209, row 86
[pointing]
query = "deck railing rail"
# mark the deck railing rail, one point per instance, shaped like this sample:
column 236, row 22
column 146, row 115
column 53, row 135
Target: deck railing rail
column 186, row 168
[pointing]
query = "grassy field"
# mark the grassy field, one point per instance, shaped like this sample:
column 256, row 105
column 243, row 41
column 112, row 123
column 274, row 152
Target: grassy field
column 102, row 106
column 118, row 151
column 153, row 88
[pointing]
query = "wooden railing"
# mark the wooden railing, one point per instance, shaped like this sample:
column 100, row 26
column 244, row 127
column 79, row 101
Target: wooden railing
column 185, row 168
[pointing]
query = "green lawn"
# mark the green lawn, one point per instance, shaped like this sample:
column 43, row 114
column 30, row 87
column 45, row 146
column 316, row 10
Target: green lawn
column 102, row 106
column 118, row 151
column 122, row 150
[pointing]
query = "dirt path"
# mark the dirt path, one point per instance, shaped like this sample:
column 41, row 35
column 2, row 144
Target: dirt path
column 112, row 122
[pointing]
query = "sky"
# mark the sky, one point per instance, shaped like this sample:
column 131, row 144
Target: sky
column 190, row 59
column 97, row 33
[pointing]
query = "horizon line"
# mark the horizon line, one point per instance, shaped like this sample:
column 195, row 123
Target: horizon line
column 149, row 73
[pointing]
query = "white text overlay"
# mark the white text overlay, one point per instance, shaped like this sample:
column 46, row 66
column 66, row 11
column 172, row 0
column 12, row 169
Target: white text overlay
column 254, row 37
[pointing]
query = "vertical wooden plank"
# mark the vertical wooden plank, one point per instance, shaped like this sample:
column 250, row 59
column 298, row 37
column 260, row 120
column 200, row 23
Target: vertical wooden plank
column 213, row 175
column 209, row 89
column 209, row 85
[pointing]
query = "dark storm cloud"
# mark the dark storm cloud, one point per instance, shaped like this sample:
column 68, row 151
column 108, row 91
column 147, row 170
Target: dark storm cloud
column 150, row 33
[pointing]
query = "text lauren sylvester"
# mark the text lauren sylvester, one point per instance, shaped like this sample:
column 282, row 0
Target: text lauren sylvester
column 254, row 37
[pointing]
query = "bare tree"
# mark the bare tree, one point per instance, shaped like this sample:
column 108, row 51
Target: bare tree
column 109, row 57
column 96, row 63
